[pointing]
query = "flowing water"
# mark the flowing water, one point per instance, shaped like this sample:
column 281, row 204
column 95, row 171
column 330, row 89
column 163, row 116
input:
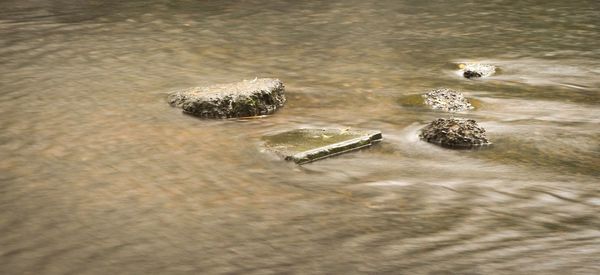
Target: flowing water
column 99, row 175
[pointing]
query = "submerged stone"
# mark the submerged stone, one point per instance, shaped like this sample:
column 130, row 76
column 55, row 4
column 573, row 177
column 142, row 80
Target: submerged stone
column 261, row 96
column 308, row 145
column 476, row 70
column 454, row 133
column 447, row 100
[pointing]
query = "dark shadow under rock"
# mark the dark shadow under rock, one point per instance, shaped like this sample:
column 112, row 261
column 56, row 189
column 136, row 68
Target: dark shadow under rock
column 477, row 70
column 447, row 100
column 454, row 133
column 308, row 145
column 261, row 96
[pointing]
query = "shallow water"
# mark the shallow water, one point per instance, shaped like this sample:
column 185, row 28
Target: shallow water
column 99, row 175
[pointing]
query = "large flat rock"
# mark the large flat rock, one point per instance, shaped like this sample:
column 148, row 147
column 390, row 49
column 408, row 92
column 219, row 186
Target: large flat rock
column 261, row 96
column 308, row 145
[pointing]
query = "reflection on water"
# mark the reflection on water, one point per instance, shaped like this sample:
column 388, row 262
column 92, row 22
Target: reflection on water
column 98, row 174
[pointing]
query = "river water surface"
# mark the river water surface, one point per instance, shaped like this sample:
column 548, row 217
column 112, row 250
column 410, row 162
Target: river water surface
column 99, row 175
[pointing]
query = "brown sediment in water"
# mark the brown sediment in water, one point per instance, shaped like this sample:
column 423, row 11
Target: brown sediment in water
column 99, row 175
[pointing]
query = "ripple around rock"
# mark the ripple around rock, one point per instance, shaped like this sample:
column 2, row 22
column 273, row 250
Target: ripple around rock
column 454, row 133
column 476, row 70
column 447, row 100
column 261, row 96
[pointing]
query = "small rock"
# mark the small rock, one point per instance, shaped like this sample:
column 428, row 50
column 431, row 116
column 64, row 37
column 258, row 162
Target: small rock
column 454, row 133
column 471, row 74
column 475, row 70
column 308, row 145
column 447, row 100
column 261, row 96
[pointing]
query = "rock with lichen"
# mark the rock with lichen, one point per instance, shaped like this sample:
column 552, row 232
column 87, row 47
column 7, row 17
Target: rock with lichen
column 476, row 70
column 261, row 96
column 447, row 100
column 454, row 133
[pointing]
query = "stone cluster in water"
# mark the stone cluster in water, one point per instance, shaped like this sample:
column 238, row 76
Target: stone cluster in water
column 475, row 70
column 261, row 96
column 453, row 132
column 447, row 100
column 265, row 95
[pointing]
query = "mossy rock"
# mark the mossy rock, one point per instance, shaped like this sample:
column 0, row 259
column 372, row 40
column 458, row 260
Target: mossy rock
column 261, row 96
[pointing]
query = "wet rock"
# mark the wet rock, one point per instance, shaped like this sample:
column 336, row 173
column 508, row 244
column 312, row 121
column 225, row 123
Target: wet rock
column 447, row 100
column 261, row 96
column 476, row 70
column 308, row 145
column 454, row 133
column 471, row 74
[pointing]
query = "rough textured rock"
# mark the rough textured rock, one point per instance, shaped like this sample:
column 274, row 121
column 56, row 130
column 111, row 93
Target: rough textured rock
column 447, row 100
column 475, row 70
column 308, row 145
column 454, row 133
column 261, row 96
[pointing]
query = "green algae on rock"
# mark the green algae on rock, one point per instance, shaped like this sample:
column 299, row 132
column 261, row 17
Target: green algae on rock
column 308, row 145
column 454, row 133
column 261, row 96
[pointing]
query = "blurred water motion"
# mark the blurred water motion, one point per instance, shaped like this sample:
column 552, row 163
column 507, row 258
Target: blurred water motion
column 99, row 175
